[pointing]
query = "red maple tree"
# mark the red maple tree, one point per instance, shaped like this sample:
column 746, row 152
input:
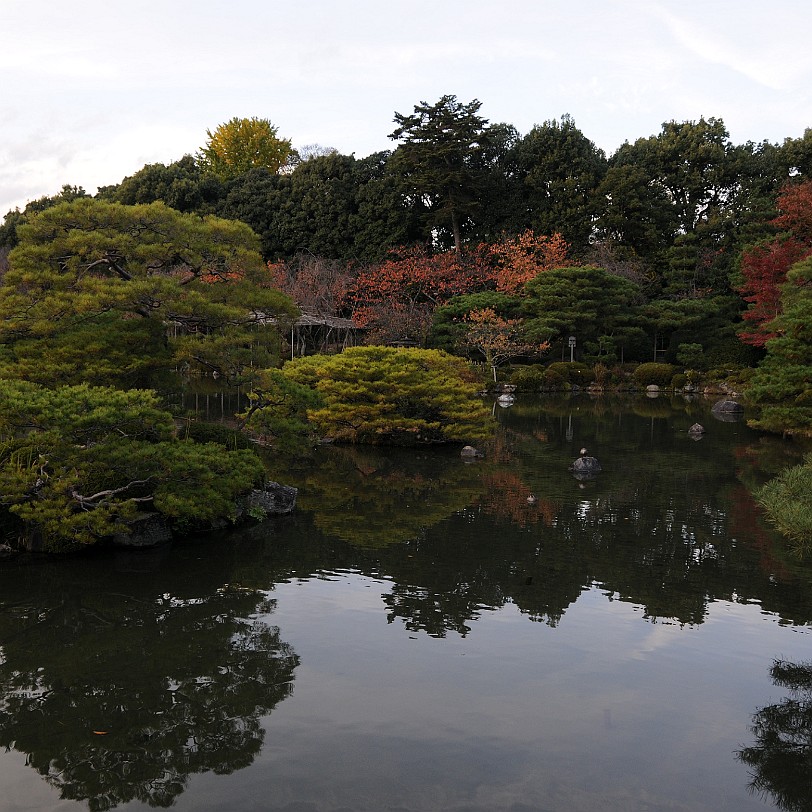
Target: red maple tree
column 521, row 258
column 764, row 266
column 795, row 205
column 395, row 299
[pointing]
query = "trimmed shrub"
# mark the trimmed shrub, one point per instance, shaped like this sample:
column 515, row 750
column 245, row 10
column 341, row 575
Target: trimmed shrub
column 788, row 504
column 572, row 372
column 528, row 379
column 653, row 373
column 554, row 380
column 679, row 381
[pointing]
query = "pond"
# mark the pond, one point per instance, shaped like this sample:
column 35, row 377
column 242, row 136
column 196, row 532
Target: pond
column 420, row 636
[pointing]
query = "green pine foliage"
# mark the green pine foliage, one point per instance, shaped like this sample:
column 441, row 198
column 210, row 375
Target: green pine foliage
column 97, row 299
column 106, row 293
column 278, row 411
column 386, row 395
column 586, row 302
column 78, row 462
column 782, row 384
column 787, row 499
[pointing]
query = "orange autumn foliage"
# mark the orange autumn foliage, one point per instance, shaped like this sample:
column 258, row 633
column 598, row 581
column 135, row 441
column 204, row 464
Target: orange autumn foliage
column 497, row 338
column 507, row 497
column 521, row 258
column 395, row 298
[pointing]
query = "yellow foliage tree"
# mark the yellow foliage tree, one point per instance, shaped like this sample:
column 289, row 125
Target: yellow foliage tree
column 245, row 143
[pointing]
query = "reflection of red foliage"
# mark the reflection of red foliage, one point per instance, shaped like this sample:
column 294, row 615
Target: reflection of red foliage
column 506, row 498
column 745, row 525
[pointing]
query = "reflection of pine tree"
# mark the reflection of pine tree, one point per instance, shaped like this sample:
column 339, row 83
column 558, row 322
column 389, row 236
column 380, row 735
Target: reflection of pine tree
column 781, row 759
column 136, row 696
column 370, row 498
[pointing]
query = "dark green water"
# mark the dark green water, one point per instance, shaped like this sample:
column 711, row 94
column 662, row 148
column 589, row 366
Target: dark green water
column 418, row 637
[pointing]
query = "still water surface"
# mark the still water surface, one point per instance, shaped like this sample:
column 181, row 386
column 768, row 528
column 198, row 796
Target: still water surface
column 418, row 636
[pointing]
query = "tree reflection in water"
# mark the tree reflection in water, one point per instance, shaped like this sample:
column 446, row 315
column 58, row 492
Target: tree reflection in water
column 781, row 759
column 119, row 687
column 115, row 698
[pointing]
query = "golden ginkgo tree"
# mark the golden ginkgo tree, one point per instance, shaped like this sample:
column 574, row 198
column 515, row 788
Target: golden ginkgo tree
column 245, row 143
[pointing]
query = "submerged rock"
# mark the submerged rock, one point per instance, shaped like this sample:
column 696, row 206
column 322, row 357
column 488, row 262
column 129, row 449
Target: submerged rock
column 271, row 500
column 585, row 467
column 728, row 411
column 145, row 530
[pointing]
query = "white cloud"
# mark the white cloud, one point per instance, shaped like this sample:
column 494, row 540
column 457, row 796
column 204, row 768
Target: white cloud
column 93, row 90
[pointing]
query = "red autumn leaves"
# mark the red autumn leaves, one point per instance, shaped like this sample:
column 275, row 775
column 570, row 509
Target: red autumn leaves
column 395, row 299
column 764, row 266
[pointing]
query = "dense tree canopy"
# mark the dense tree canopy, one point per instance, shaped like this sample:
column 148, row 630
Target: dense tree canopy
column 105, row 293
column 586, row 302
column 15, row 218
column 560, row 170
column 183, row 185
column 703, row 228
column 443, row 157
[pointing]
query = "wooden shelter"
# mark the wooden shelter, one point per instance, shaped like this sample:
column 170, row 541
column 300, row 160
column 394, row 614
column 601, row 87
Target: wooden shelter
column 315, row 333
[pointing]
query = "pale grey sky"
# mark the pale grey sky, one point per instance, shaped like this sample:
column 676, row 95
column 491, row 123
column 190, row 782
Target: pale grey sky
column 91, row 90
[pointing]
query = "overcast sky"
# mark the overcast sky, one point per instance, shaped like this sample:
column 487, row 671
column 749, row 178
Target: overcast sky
column 91, row 90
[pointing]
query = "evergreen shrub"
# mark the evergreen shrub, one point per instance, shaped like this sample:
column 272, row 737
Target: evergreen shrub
column 573, row 372
column 528, row 378
column 554, row 380
column 788, row 503
column 653, row 373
